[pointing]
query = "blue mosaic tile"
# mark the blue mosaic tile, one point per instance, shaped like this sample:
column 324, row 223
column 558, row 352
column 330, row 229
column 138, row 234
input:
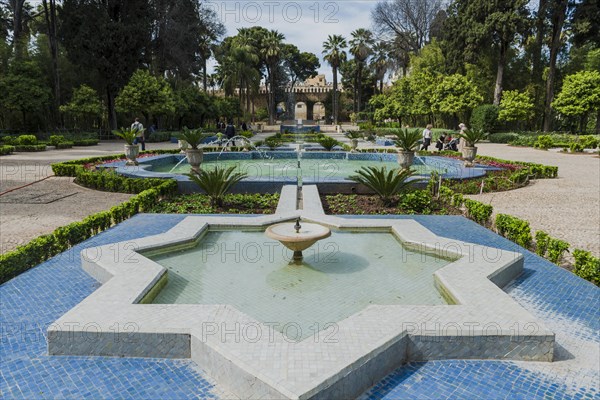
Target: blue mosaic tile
column 33, row 300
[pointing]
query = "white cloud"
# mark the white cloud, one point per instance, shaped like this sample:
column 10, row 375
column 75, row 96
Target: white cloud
column 305, row 24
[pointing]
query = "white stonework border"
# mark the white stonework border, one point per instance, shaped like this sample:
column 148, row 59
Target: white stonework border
column 483, row 323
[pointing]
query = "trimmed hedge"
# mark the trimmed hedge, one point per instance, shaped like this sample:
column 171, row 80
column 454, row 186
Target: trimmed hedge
column 85, row 142
column 587, row 266
column 478, row 211
column 26, row 140
column 45, row 247
column 110, row 181
column 514, row 229
column 6, row 149
column 30, row 147
column 64, row 145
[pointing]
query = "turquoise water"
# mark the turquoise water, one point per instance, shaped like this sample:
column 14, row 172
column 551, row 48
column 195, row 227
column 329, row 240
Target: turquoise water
column 312, row 169
column 340, row 276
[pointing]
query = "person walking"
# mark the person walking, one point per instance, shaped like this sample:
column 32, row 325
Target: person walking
column 137, row 125
column 230, row 132
column 427, row 137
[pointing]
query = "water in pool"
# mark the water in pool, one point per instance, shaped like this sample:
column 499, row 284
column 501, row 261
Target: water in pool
column 312, row 169
column 338, row 277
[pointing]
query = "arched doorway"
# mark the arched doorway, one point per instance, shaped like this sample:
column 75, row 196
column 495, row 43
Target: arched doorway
column 318, row 111
column 301, row 111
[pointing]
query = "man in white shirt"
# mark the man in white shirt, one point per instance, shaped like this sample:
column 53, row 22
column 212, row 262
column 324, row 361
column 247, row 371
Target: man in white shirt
column 427, row 137
column 137, row 125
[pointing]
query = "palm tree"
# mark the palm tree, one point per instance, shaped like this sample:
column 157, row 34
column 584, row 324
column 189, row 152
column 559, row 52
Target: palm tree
column 380, row 62
column 361, row 48
column 272, row 48
column 333, row 49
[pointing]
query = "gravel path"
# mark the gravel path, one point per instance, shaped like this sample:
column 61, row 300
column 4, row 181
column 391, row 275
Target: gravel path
column 568, row 207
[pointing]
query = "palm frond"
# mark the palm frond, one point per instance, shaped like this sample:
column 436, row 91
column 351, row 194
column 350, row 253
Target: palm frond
column 217, row 182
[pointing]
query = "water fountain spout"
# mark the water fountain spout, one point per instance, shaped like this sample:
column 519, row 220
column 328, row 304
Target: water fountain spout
column 298, row 237
column 262, row 153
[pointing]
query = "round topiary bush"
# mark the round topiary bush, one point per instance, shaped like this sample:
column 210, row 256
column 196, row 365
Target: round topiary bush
column 27, row 140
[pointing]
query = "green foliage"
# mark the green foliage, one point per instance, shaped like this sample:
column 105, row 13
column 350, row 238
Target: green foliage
column 516, row 106
column 217, row 182
column 473, row 136
column 110, row 181
column 64, row 145
column 127, row 134
column 502, row 137
column 386, row 184
column 232, row 203
column 146, row 94
column 23, row 88
column 454, row 94
column 417, row 202
column 478, row 212
column 193, row 137
column 30, row 147
column 514, row 229
column 544, row 142
column 54, row 140
column 485, row 118
column 587, row 266
column 328, row 143
column 6, row 149
column 26, row 140
column 580, row 94
column 407, row 140
column 273, row 142
column 85, row 142
column 84, row 103
column 541, row 243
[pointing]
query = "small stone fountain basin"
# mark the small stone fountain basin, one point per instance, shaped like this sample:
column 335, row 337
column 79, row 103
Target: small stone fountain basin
column 308, row 235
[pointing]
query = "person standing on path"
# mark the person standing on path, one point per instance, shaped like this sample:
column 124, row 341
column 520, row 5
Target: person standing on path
column 427, row 137
column 137, row 125
column 230, row 132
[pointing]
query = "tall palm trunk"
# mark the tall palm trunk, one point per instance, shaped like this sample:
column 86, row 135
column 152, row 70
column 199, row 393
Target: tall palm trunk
column 359, row 87
column 335, row 95
column 50, row 16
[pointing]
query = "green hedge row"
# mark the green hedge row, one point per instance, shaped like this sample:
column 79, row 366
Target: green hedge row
column 85, row 142
column 110, row 181
column 45, row 247
column 30, row 147
column 519, row 231
column 6, row 149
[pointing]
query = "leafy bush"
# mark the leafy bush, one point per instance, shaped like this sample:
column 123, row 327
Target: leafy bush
column 127, row 134
column 589, row 142
column 6, row 149
column 273, row 142
column 110, row 181
column 417, row 202
column 407, row 140
column 556, row 249
column 328, row 143
column 386, row 184
column 54, row 140
column 197, row 203
column 587, row 266
column 485, row 117
column 544, row 142
column 478, row 211
column 541, row 243
column 514, row 229
column 217, row 182
column 26, row 140
column 64, row 145
column 157, row 137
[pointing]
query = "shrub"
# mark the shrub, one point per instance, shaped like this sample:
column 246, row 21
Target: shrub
column 587, row 266
column 485, row 117
column 478, row 211
column 6, row 149
column 328, row 143
column 157, row 137
column 54, row 140
column 30, row 147
column 85, row 142
column 503, row 137
column 407, row 140
column 473, row 136
column 541, row 243
column 417, row 202
column 589, row 142
column 64, row 145
column 544, row 142
column 514, row 229
column 386, row 184
column 556, row 249
column 217, row 182
column 26, row 140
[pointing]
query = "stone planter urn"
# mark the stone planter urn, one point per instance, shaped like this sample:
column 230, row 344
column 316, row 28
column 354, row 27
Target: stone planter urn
column 183, row 145
column 469, row 154
column 406, row 158
column 353, row 144
column 194, row 157
column 131, row 152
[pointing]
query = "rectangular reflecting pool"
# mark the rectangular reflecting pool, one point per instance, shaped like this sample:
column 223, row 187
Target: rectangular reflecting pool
column 339, row 276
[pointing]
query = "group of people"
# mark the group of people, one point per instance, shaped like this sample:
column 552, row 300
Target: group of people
column 445, row 141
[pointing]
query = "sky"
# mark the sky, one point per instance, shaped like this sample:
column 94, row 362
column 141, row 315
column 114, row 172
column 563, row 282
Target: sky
column 305, row 24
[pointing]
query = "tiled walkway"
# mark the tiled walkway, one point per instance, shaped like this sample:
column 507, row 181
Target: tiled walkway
column 29, row 303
